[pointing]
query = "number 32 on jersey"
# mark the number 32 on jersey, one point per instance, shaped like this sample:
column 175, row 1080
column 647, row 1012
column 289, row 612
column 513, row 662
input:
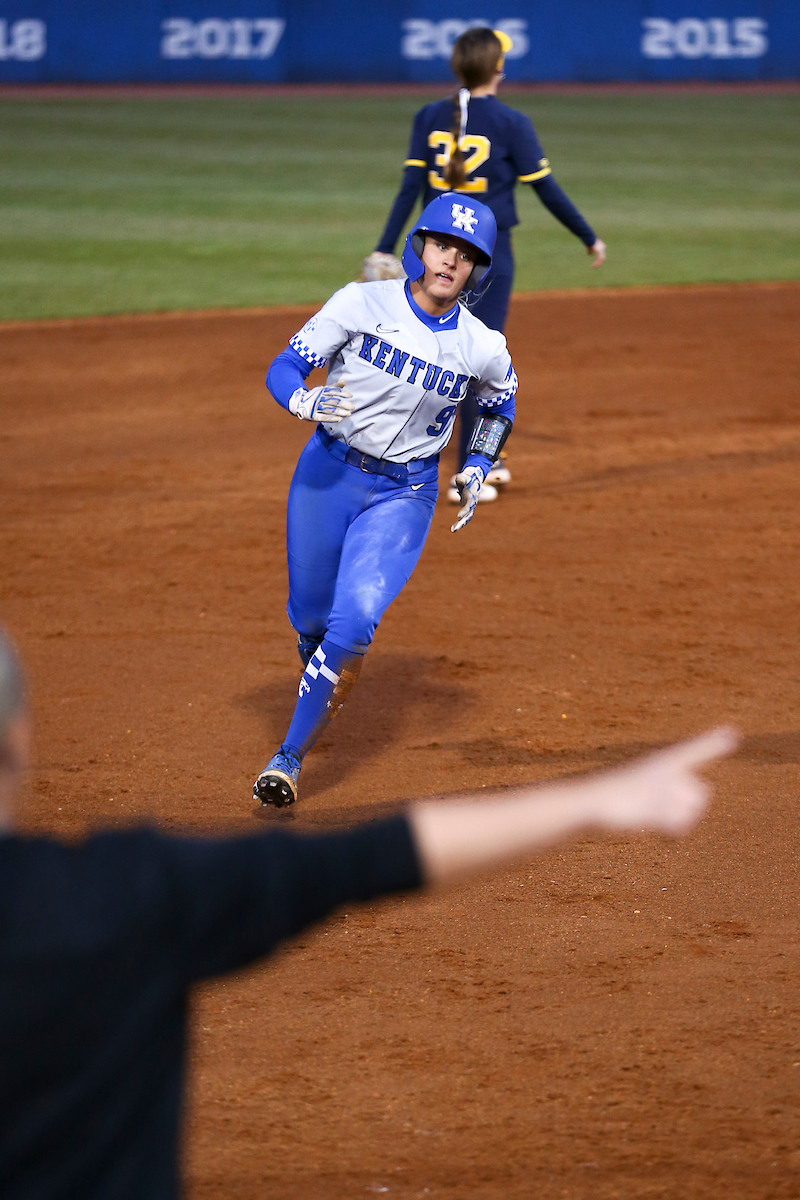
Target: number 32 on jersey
column 476, row 150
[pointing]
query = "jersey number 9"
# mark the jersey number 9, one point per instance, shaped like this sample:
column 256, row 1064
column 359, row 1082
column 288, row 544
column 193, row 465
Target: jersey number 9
column 440, row 420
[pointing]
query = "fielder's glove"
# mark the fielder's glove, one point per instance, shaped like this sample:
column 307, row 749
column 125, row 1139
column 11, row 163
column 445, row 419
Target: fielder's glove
column 469, row 485
column 381, row 266
column 330, row 403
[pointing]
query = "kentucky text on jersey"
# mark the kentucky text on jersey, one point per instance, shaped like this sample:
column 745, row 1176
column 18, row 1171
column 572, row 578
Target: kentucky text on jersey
column 448, row 385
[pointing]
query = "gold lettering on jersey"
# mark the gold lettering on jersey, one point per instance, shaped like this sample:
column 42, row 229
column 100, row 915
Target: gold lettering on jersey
column 476, row 150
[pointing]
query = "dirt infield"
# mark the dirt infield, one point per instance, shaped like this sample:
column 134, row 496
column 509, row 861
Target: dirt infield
column 616, row 1019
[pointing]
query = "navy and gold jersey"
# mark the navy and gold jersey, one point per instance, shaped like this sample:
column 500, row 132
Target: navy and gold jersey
column 500, row 148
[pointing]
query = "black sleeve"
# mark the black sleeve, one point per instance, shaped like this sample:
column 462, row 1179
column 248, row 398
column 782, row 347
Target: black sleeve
column 236, row 899
column 560, row 205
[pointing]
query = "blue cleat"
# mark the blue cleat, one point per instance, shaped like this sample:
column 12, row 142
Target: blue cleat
column 277, row 783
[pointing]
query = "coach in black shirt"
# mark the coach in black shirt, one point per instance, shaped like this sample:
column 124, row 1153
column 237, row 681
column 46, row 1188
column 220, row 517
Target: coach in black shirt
column 100, row 943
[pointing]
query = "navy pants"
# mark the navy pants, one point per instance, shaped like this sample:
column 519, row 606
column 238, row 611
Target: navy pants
column 489, row 303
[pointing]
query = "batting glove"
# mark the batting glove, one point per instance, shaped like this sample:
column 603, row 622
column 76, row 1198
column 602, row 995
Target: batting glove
column 330, row 403
column 469, row 485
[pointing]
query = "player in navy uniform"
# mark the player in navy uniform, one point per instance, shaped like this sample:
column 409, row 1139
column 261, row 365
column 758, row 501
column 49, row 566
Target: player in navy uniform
column 400, row 356
column 477, row 146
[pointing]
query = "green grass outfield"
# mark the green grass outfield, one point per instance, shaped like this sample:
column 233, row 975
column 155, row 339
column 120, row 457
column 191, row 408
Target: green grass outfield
column 134, row 204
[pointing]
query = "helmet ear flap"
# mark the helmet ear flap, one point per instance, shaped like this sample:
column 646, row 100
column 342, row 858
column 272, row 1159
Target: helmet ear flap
column 412, row 256
column 476, row 275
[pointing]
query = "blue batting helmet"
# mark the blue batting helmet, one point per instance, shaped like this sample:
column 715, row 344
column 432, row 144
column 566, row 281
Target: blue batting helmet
column 462, row 217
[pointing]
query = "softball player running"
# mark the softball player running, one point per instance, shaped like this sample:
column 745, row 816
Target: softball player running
column 400, row 355
column 475, row 145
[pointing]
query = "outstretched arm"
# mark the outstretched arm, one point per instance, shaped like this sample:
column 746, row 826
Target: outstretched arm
column 660, row 793
column 559, row 204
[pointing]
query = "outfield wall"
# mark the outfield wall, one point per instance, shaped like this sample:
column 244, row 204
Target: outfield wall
column 392, row 41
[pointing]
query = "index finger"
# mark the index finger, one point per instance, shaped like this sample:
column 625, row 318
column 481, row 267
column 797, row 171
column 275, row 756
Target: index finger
column 697, row 752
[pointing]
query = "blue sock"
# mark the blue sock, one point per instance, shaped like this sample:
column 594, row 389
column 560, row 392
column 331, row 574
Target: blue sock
column 324, row 687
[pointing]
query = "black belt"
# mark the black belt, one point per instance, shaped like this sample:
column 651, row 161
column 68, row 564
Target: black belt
column 374, row 466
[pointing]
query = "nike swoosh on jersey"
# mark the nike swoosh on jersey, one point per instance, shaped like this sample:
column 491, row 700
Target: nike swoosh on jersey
column 382, row 329
column 416, row 486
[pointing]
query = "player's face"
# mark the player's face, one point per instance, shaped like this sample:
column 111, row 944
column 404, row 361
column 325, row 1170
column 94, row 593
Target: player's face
column 448, row 262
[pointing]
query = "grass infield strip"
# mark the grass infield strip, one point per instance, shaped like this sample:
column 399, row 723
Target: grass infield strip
column 137, row 204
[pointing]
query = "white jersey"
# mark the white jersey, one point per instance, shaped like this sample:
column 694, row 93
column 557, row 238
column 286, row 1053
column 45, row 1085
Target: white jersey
column 406, row 371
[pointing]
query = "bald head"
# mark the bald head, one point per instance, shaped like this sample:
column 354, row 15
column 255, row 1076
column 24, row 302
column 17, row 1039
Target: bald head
column 12, row 693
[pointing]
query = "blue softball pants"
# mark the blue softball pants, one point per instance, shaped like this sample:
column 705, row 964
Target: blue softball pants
column 353, row 538
column 490, row 305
